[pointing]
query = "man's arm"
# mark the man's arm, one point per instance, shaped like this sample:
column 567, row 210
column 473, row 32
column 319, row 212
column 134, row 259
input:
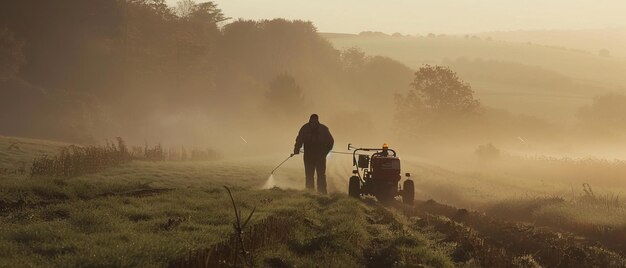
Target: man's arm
column 299, row 141
column 331, row 141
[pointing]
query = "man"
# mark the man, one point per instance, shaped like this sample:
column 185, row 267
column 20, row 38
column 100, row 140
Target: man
column 317, row 143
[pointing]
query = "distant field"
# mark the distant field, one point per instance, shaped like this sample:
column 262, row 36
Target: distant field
column 592, row 40
column 524, row 78
column 415, row 51
column 17, row 151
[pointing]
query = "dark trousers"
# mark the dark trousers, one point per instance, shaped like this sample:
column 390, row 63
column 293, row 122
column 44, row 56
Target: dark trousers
column 313, row 163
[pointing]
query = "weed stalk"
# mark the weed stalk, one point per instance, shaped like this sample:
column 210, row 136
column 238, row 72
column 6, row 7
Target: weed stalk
column 239, row 226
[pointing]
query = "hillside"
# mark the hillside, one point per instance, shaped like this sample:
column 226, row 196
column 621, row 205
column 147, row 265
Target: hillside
column 17, row 152
column 592, row 40
column 523, row 78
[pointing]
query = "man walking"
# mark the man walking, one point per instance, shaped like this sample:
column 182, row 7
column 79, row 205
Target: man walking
column 317, row 142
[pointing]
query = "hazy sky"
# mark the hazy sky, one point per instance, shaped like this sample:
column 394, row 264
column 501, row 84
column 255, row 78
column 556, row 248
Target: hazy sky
column 438, row 16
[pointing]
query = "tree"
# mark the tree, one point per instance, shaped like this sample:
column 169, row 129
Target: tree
column 207, row 12
column 439, row 103
column 442, row 92
column 284, row 95
column 606, row 115
column 159, row 7
column 60, row 37
column 11, row 57
column 604, row 53
column 353, row 59
column 184, row 8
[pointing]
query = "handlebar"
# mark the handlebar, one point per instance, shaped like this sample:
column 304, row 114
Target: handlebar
column 350, row 147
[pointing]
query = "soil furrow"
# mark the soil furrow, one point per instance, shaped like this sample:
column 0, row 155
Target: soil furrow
column 548, row 247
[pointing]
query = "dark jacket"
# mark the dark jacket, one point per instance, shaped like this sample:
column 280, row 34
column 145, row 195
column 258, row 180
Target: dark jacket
column 316, row 140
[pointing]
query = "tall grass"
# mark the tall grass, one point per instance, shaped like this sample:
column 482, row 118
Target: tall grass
column 19, row 170
column 78, row 160
column 600, row 172
column 158, row 153
column 155, row 153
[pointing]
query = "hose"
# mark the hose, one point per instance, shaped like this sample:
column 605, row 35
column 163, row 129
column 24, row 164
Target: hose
column 281, row 163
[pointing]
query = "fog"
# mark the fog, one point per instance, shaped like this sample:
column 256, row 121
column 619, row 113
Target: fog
column 442, row 17
column 191, row 75
column 123, row 122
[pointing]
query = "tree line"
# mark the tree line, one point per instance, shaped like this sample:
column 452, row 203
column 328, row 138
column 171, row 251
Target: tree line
column 119, row 64
column 78, row 70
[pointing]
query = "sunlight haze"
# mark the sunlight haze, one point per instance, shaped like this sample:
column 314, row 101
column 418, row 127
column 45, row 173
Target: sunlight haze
column 312, row 133
column 422, row 17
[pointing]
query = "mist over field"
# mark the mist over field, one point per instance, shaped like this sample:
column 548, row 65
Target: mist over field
column 122, row 120
column 194, row 77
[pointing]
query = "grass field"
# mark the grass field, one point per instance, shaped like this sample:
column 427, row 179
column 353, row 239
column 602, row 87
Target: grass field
column 590, row 40
column 153, row 213
column 14, row 152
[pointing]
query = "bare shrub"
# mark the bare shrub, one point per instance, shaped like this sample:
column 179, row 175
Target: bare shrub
column 155, row 153
column 487, row 152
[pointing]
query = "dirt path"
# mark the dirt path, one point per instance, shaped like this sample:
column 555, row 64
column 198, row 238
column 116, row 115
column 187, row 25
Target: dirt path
column 494, row 242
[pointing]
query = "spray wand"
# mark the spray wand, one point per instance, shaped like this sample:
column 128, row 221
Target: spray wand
column 281, row 163
column 291, row 155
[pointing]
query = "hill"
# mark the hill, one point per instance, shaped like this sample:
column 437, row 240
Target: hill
column 17, row 152
column 592, row 40
column 523, row 78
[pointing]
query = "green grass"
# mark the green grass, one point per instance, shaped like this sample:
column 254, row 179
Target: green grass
column 584, row 213
column 129, row 231
column 371, row 236
column 121, row 217
column 14, row 152
column 545, row 192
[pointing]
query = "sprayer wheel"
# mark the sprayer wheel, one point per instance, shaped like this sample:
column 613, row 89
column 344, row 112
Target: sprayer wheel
column 408, row 192
column 354, row 189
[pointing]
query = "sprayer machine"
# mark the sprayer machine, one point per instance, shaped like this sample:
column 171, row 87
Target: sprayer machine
column 379, row 175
